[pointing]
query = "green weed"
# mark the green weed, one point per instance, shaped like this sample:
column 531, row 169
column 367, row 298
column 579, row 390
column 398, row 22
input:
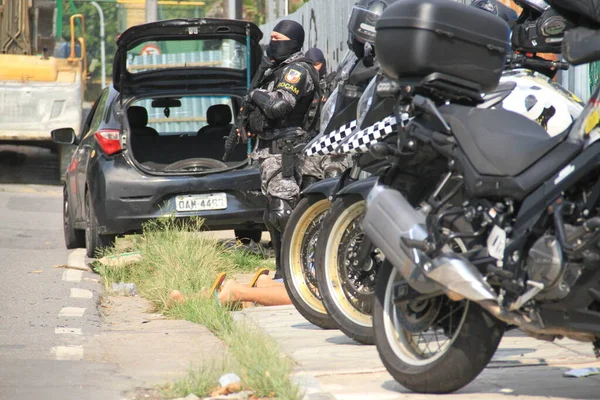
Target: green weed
column 176, row 256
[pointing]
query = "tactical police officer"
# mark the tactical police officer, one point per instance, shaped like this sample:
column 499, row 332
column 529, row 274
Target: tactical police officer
column 315, row 168
column 280, row 119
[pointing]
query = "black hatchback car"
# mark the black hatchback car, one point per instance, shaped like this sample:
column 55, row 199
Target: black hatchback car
column 154, row 140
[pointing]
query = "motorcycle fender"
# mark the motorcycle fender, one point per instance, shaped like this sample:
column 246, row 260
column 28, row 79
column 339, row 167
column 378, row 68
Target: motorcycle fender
column 326, row 188
column 362, row 187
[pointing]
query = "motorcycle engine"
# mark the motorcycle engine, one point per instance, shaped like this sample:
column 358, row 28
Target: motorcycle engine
column 545, row 264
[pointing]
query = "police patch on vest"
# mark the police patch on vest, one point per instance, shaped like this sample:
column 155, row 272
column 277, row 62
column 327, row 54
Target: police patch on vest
column 293, row 76
column 291, row 88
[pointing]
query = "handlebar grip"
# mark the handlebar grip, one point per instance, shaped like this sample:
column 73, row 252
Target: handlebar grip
column 534, row 63
column 562, row 65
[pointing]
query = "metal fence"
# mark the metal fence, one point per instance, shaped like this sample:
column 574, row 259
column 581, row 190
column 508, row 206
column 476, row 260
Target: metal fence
column 325, row 23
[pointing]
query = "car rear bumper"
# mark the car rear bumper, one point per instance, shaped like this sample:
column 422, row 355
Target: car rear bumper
column 125, row 198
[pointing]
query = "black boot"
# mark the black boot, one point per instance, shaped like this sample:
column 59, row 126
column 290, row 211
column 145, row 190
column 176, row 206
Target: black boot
column 276, row 238
column 276, row 216
column 276, row 242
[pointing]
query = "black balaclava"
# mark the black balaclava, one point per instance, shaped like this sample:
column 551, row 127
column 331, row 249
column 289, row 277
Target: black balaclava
column 282, row 49
column 316, row 56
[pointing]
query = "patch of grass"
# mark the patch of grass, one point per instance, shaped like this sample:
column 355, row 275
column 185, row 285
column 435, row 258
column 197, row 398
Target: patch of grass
column 175, row 256
column 264, row 367
column 201, row 380
column 246, row 261
column 256, row 358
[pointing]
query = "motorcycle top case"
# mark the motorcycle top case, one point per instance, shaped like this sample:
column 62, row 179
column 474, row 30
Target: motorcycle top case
column 417, row 38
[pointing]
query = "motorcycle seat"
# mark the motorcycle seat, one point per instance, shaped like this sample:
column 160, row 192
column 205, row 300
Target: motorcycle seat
column 499, row 142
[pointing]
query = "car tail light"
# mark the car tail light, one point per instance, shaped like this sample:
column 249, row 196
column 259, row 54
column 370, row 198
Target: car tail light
column 109, row 140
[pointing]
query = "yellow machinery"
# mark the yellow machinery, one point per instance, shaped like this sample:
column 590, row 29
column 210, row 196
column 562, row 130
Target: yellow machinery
column 38, row 91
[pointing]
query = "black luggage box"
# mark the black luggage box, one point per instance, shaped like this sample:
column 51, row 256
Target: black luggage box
column 416, row 38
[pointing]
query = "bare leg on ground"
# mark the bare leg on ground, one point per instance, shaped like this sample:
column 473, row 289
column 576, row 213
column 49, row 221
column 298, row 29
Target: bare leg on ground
column 264, row 281
column 267, row 296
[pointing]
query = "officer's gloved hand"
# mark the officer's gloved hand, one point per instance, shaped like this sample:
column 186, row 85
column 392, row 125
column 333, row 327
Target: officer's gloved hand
column 266, row 63
column 260, row 98
column 256, row 91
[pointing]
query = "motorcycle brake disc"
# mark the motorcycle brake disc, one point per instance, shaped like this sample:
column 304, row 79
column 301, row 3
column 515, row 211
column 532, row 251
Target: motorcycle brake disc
column 416, row 317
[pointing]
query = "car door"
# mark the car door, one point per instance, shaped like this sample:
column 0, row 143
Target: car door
column 82, row 155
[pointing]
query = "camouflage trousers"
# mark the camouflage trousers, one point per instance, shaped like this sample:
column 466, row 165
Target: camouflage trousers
column 274, row 184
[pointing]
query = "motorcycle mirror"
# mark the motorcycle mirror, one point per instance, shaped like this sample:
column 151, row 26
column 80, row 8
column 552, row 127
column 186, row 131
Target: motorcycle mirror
column 580, row 45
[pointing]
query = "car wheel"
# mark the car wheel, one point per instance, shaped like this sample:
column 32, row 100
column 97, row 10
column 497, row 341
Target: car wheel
column 245, row 236
column 94, row 241
column 74, row 238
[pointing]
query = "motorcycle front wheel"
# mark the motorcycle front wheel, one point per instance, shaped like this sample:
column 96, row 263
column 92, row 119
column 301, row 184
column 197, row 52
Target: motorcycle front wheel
column 347, row 283
column 433, row 345
column 298, row 260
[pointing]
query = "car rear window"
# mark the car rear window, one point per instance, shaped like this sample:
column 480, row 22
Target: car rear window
column 168, row 54
column 188, row 118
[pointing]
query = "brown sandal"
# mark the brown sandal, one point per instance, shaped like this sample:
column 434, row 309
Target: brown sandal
column 218, row 282
column 257, row 275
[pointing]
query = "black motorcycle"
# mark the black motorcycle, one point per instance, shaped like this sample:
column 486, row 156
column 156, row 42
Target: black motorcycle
column 508, row 232
column 347, row 262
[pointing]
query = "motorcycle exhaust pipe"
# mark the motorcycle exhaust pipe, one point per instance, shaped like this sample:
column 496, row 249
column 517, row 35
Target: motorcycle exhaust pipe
column 389, row 218
column 460, row 278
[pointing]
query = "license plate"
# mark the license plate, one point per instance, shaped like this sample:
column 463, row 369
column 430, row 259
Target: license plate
column 201, row 202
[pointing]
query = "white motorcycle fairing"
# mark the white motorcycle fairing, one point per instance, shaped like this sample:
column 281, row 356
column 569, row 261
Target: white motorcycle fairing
column 540, row 99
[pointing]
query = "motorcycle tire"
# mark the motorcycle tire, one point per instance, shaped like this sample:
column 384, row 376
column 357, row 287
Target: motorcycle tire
column 298, row 247
column 348, row 305
column 463, row 356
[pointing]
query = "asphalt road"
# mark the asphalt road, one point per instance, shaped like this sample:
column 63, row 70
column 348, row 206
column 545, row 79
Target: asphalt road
column 46, row 313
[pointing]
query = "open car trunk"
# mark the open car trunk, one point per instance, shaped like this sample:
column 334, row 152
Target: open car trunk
column 190, row 154
column 171, row 75
column 183, row 134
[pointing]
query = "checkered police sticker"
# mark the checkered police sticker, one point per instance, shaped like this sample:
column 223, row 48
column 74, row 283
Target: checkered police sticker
column 328, row 143
column 361, row 141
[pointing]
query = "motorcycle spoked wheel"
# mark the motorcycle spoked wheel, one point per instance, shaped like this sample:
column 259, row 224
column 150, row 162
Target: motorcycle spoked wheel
column 298, row 260
column 434, row 345
column 347, row 292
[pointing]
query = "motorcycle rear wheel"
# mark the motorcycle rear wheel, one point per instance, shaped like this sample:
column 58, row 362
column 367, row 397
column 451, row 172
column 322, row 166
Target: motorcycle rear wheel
column 473, row 337
column 298, row 249
column 347, row 293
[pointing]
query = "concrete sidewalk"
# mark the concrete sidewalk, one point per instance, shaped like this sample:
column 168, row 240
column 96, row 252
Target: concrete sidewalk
column 332, row 366
column 146, row 349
